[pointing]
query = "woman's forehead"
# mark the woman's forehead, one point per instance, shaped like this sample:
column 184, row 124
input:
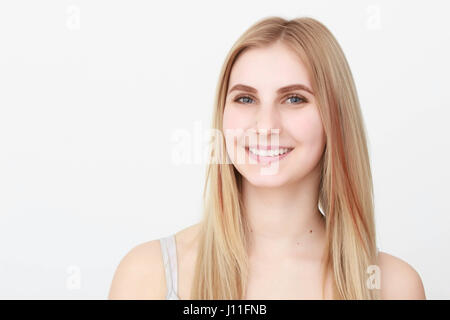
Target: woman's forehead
column 269, row 68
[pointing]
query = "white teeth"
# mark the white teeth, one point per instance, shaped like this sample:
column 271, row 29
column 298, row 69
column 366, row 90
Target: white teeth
column 268, row 153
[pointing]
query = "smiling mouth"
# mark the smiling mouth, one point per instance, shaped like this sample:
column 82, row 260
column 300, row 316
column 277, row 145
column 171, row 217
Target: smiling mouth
column 268, row 155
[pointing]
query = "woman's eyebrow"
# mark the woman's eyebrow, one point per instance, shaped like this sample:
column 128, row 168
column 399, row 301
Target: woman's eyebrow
column 291, row 87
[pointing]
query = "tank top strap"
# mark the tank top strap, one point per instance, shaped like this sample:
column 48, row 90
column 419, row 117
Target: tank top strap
column 168, row 247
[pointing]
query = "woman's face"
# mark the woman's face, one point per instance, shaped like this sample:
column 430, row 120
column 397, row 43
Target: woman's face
column 253, row 114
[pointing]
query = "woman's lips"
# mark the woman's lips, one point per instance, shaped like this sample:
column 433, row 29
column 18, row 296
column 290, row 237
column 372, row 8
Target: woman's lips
column 267, row 159
column 261, row 147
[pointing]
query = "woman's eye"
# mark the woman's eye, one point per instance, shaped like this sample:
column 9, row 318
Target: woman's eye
column 297, row 99
column 243, row 97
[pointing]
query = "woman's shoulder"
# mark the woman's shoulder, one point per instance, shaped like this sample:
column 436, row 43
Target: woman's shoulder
column 399, row 280
column 140, row 273
column 187, row 238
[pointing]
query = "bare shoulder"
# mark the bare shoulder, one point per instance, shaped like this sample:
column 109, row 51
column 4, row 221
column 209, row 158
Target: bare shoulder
column 140, row 274
column 187, row 238
column 399, row 280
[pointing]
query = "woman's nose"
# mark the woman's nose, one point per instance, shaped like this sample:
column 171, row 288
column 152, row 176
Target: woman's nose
column 267, row 127
column 267, row 120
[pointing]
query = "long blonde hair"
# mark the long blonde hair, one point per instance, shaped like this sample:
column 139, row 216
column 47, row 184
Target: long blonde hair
column 345, row 190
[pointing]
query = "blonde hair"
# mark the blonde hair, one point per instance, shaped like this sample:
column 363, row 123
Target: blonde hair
column 345, row 190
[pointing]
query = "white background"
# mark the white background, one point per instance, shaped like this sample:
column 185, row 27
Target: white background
column 91, row 93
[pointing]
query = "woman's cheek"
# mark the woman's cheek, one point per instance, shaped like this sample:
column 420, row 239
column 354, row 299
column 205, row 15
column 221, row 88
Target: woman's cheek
column 233, row 118
column 305, row 126
column 232, row 125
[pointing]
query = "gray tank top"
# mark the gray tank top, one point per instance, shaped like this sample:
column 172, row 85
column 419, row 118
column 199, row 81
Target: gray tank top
column 169, row 253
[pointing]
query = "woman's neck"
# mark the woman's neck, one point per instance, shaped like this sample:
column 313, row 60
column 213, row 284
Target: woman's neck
column 282, row 220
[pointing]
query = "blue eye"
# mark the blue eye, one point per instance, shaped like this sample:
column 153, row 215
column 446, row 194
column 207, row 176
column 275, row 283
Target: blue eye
column 294, row 96
column 239, row 99
column 297, row 97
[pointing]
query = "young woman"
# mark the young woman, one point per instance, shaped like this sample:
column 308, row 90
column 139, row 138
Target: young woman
column 295, row 218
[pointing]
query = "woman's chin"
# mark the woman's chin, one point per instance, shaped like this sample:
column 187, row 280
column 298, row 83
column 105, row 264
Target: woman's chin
column 265, row 181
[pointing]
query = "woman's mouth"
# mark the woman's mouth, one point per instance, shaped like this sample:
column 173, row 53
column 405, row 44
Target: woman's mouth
column 268, row 155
